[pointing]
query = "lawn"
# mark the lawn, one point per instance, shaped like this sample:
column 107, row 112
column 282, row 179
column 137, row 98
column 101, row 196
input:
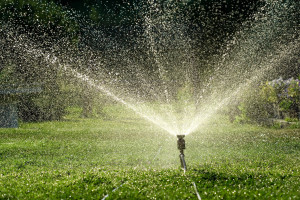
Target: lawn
column 126, row 157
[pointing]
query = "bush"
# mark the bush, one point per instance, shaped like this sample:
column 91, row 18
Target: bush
column 275, row 99
column 285, row 97
column 47, row 105
column 253, row 108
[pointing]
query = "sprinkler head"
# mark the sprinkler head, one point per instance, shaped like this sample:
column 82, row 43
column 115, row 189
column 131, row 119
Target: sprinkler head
column 181, row 147
column 180, row 143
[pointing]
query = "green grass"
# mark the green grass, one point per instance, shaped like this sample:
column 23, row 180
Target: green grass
column 89, row 158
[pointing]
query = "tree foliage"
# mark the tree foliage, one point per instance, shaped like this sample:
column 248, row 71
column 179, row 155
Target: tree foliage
column 40, row 17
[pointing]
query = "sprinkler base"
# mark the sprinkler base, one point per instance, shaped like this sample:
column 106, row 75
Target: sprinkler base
column 182, row 161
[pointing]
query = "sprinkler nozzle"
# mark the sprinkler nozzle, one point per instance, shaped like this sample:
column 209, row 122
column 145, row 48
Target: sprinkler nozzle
column 180, row 143
column 181, row 147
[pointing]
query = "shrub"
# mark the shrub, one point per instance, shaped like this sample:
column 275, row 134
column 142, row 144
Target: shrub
column 253, row 108
column 284, row 95
column 274, row 99
column 47, row 105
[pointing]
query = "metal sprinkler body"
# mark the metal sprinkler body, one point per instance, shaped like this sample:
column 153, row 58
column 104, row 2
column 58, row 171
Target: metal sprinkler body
column 181, row 147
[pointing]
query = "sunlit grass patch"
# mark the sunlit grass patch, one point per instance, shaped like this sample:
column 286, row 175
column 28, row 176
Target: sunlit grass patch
column 89, row 158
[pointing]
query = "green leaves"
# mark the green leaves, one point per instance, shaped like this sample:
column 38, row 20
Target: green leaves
column 40, row 16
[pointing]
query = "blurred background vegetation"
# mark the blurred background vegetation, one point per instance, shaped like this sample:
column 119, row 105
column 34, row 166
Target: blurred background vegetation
column 210, row 23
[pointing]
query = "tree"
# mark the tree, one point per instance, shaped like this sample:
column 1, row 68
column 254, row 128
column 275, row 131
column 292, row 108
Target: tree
column 34, row 26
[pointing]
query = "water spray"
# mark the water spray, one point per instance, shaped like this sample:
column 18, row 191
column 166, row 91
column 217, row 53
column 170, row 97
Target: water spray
column 181, row 147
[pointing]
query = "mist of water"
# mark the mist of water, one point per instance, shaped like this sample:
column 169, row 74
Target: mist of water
column 156, row 76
